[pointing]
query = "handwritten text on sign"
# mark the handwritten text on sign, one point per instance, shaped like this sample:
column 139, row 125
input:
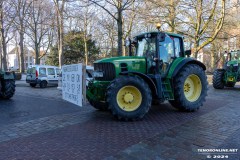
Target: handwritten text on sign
column 72, row 83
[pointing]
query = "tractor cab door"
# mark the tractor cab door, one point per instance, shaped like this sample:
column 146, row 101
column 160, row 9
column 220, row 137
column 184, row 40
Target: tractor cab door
column 169, row 50
column 166, row 51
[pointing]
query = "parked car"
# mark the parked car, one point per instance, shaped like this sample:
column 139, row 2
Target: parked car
column 42, row 75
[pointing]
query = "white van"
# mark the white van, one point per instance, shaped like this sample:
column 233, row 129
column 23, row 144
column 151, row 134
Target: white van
column 42, row 75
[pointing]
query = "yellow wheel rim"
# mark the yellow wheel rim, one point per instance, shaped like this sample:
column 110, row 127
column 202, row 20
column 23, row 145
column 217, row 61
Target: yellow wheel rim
column 129, row 98
column 192, row 88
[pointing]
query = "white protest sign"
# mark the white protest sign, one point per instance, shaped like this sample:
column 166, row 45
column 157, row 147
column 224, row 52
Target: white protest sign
column 72, row 83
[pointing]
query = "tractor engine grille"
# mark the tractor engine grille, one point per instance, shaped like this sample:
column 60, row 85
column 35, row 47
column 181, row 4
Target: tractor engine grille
column 108, row 70
column 232, row 68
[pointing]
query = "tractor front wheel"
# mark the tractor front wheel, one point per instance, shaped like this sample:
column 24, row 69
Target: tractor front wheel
column 218, row 76
column 190, row 88
column 129, row 98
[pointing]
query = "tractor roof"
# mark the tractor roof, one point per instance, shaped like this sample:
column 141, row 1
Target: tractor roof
column 156, row 32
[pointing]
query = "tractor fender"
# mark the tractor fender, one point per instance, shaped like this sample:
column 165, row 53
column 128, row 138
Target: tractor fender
column 146, row 78
column 182, row 63
column 220, row 69
column 9, row 76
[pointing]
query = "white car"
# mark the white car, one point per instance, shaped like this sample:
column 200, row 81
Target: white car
column 42, row 75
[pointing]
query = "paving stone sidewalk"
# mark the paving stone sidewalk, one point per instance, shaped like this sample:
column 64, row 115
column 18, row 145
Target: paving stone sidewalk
column 217, row 129
column 41, row 125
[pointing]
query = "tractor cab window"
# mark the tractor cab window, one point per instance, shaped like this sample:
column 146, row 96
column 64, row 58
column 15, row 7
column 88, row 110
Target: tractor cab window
column 234, row 55
column 146, row 47
column 166, row 53
column 166, row 49
column 177, row 47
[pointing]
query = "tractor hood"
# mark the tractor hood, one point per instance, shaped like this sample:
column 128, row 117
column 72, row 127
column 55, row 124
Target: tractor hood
column 119, row 59
column 233, row 62
column 126, row 63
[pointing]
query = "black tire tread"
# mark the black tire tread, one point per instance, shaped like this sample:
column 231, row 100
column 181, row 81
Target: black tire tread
column 217, row 80
column 43, row 84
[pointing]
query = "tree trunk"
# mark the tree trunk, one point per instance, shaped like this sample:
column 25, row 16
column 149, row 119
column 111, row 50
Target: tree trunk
column 4, row 51
column 21, row 67
column 120, row 32
column 60, row 49
column 85, row 49
column 3, row 40
column 195, row 48
column 37, row 60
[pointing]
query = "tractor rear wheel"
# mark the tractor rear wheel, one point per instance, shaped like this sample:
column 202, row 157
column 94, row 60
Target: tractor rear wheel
column 218, row 76
column 129, row 98
column 8, row 89
column 190, row 88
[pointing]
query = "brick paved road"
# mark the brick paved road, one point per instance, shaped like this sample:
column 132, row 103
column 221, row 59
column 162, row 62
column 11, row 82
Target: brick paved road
column 88, row 134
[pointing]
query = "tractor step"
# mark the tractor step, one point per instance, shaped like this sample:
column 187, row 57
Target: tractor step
column 167, row 90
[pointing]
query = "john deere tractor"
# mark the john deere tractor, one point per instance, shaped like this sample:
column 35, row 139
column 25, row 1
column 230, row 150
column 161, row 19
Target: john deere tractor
column 157, row 69
column 230, row 74
column 7, row 84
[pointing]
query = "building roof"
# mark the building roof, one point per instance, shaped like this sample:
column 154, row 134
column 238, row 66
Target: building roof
column 17, row 49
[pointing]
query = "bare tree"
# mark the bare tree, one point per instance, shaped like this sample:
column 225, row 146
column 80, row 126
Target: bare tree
column 59, row 7
column 163, row 12
column 5, row 27
column 21, row 8
column 200, row 16
column 115, row 8
column 40, row 17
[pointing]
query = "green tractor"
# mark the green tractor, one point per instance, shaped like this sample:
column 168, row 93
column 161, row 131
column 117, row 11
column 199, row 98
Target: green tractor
column 7, row 84
column 157, row 69
column 230, row 74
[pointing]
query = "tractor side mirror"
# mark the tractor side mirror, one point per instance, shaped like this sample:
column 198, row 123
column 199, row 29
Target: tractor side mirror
column 188, row 52
column 128, row 44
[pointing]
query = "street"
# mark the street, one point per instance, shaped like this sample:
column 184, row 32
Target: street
column 37, row 124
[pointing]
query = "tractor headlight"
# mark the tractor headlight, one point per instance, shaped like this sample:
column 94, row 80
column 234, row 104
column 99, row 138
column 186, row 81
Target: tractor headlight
column 97, row 74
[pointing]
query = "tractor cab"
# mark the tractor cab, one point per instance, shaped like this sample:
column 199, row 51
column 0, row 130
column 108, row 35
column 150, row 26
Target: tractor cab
column 235, row 55
column 159, row 48
column 233, row 60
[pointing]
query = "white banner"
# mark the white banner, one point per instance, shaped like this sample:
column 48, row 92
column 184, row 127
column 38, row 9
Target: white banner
column 72, row 83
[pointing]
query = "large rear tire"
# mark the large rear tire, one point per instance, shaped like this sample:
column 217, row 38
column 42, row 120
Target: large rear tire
column 8, row 89
column 218, row 76
column 190, row 88
column 129, row 98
